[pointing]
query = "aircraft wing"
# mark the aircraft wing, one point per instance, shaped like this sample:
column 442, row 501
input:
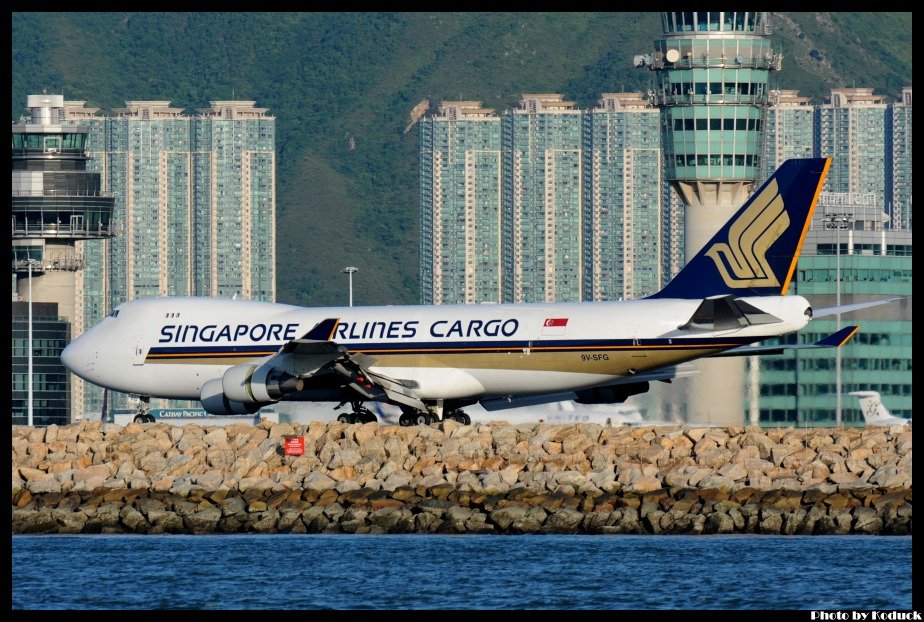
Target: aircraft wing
column 316, row 353
column 826, row 311
column 665, row 374
column 834, row 340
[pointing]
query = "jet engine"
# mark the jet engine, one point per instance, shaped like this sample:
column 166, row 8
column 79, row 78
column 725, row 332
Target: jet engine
column 215, row 402
column 251, row 383
column 613, row 394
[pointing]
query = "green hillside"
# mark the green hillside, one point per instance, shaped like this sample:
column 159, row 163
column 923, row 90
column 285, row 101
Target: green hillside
column 333, row 77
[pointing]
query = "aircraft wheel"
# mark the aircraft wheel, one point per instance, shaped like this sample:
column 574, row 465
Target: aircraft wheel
column 345, row 418
column 367, row 416
column 422, row 418
column 406, row 420
column 465, row 419
column 141, row 419
column 150, row 418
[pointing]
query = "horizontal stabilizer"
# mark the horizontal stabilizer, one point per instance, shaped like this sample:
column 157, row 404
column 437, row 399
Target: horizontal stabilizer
column 834, row 340
column 827, row 311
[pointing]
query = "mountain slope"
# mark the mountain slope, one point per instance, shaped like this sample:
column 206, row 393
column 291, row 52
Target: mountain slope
column 342, row 85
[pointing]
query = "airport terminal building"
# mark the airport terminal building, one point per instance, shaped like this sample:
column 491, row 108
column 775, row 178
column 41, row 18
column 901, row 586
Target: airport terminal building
column 800, row 387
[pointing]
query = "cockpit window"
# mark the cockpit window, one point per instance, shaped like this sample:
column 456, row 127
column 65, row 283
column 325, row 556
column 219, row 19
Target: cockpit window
column 114, row 313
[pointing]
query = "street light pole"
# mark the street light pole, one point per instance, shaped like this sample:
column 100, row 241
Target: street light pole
column 837, row 354
column 29, row 373
column 840, row 221
column 350, row 270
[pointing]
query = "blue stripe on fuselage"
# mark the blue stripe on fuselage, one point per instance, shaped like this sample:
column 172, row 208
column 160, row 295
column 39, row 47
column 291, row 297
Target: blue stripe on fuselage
column 479, row 346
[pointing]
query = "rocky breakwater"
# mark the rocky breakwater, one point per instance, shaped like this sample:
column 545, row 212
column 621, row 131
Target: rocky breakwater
column 450, row 478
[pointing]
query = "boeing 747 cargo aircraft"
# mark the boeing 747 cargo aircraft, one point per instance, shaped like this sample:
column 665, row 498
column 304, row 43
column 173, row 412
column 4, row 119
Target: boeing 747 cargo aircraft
column 237, row 356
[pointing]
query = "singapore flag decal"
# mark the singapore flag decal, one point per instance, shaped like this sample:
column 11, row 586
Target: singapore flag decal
column 554, row 326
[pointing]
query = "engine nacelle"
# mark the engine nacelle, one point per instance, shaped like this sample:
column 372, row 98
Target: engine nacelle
column 613, row 394
column 254, row 383
column 215, row 402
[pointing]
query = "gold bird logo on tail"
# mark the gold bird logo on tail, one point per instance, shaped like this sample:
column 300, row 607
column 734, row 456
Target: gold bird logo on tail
column 743, row 261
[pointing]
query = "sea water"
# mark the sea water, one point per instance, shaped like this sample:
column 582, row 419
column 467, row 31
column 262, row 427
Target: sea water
column 460, row 572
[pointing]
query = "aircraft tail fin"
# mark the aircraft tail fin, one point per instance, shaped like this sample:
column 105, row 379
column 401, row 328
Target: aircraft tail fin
column 755, row 253
column 874, row 411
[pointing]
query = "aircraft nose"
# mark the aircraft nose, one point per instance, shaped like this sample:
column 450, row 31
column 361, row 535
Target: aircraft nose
column 79, row 357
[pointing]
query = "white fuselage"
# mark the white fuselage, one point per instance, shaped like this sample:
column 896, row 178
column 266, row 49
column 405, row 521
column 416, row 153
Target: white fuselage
column 169, row 347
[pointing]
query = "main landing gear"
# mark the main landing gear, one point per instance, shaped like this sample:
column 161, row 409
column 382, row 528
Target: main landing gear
column 144, row 410
column 359, row 414
column 409, row 415
column 458, row 415
column 412, row 416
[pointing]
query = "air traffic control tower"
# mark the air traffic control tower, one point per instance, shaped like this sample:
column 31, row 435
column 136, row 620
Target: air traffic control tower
column 55, row 203
column 712, row 70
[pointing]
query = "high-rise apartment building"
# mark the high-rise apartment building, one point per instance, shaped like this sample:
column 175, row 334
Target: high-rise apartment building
column 789, row 129
column 867, row 137
column 545, row 202
column 460, row 204
column 541, row 199
column 850, row 128
column 622, row 198
column 898, row 200
column 234, row 201
column 194, row 200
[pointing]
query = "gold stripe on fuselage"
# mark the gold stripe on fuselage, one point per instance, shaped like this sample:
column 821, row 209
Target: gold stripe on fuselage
column 186, row 359
column 616, row 360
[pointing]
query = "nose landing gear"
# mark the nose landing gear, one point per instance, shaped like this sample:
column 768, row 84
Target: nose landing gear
column 144, row 410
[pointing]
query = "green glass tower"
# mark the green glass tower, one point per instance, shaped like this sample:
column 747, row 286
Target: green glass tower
column 848, row 256
column 712, row 73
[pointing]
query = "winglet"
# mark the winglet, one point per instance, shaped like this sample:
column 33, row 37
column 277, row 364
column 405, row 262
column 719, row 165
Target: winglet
column 324, row 331
column 836, row 340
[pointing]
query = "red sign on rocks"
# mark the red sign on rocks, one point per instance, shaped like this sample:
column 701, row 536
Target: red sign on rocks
column 294, row 445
